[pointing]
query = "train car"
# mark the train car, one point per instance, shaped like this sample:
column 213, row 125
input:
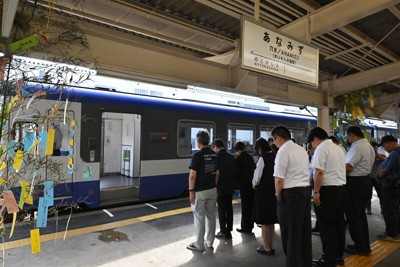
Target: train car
column 130, row 148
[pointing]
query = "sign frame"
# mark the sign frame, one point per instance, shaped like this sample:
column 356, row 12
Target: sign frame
column 269, row 51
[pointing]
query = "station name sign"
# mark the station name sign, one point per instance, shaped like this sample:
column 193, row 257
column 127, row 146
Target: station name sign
column 270, row 52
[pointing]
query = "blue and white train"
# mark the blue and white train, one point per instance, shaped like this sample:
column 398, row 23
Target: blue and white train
column 134, row 148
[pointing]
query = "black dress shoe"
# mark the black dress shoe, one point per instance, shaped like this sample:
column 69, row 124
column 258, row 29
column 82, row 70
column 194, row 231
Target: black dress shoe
column 340, row 261
column 243, row 231
column 314, row 230
column 266, row 252
column 322, row 262
column 220, row 235
column 352, row 250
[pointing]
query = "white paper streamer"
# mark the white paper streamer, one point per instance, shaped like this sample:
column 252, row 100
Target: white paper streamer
column 65, row 109
column 66, row 228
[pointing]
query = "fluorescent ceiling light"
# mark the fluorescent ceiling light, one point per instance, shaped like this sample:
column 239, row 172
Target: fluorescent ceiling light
column 9, row 10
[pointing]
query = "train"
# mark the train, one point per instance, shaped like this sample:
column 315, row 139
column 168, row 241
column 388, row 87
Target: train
column 129, row 148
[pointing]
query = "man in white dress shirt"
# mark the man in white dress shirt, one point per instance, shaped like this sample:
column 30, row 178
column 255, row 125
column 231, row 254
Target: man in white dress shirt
column 359, row 161
column 329, row 196
column 294, row 198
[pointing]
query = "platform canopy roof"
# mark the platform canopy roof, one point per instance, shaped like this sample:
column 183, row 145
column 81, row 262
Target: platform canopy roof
column 358, row 41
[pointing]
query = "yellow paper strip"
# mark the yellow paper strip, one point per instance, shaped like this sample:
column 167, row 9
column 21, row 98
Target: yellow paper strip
column 18, row 160
column 50, row 142
column 3, row 165
column 2, row 181
column 35, row 241
column 24, row 184
column 73, row 123
column 71, row 142
column 13, row 224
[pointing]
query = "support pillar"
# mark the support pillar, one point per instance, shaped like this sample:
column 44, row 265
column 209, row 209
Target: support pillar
column 324, row 120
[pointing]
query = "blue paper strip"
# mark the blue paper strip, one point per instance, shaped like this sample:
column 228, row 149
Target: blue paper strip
column 49, row 193
column 28, row 140
column 11, row 149
column 43, row 140
column 42, row 213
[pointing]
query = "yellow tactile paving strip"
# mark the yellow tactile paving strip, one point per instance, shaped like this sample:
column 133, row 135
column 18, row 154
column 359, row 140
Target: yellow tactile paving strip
column 380, row 249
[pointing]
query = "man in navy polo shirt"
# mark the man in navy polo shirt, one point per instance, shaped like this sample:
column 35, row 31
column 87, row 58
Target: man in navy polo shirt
column 389, row 177
column 203, row 178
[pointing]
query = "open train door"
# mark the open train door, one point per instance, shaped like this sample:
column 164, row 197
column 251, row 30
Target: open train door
column 120, row 158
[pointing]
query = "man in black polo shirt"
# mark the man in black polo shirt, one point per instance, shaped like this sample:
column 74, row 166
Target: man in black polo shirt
column 225, row 188
column 203, row 178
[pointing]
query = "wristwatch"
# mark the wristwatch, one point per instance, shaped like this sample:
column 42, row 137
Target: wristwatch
column 191, row 190
column 316, row 192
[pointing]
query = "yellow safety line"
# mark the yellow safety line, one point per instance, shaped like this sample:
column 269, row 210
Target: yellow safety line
column 92, row 229
column 380, row 249
column 97, row 228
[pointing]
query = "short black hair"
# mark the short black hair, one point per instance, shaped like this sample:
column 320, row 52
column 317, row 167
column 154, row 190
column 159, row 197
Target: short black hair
column 373, row 143
column 282, row 132
column 262, row 144
column 334, row 139
column 203, row 137
column 316, row 132
column 239, row 146
column 355, row 130
column 219, row 143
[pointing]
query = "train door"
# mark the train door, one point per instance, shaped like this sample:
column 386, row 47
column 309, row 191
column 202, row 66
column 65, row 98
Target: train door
column 64, row 153
column 120, row 158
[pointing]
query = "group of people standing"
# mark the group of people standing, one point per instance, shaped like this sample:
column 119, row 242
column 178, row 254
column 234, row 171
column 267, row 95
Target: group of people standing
column 277, row 189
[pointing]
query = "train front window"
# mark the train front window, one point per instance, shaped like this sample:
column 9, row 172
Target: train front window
column 187, row 143
column 243, row 133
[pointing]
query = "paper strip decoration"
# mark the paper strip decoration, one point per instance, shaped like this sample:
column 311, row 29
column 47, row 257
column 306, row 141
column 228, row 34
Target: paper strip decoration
column 35, row 241
column 23, row 44
column 18, row 160
column 42, row 213
column 43, row 140
column 49, row 193
column 10, row 202
column 28, row 140
column 24, row 184
column 13, row 224
column 50, row 142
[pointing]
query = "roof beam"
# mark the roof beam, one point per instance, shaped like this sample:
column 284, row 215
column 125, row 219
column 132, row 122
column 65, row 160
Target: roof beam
column 388, row 99
column 365, row 79
column 335, row 15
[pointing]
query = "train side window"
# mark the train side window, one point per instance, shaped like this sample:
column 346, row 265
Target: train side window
column 241, row 132
column 297, row 133
column 21, row 131
column 187, row 144
column 265, row 131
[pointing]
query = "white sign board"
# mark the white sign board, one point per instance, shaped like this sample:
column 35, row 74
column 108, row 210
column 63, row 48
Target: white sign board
column 270, row 52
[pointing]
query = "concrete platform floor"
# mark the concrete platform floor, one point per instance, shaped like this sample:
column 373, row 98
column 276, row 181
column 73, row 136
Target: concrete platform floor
column 162, row 242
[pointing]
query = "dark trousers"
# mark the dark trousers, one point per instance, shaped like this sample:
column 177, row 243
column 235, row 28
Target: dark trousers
column 358, row 190
column 225, row 213
column 294, row 212
column 390, row 210
column 331, row 223
column 378, row 189
column 247, row 201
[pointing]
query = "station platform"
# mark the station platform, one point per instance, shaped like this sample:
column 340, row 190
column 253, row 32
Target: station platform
column 157, row 234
